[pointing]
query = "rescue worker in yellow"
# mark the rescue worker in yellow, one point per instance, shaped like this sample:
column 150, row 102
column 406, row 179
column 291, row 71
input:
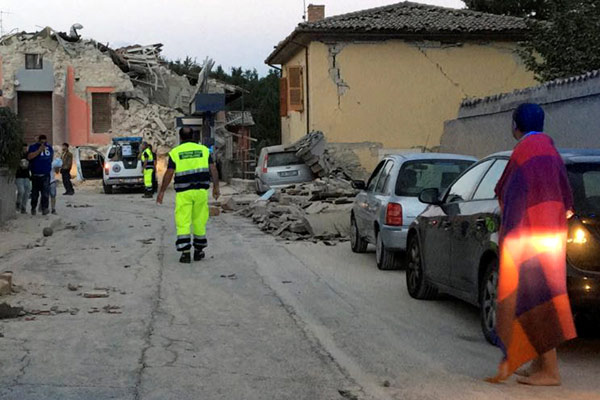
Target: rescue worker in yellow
column 192, row 166
column 148, row 166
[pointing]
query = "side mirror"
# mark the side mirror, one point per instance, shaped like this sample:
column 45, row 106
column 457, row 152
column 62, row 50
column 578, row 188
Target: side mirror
column 430, row 196
column 359, row 185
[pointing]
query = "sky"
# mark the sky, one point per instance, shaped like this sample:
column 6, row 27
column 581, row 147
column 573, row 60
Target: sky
column 232, row 32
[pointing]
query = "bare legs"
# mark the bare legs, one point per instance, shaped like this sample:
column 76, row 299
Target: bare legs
column 543, row 371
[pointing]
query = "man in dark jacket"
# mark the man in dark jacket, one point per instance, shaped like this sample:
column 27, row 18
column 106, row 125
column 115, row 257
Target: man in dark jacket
column 40, row 157
column 23, row 181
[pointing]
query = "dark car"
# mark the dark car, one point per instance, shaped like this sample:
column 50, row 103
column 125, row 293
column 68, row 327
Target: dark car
column 453, row 244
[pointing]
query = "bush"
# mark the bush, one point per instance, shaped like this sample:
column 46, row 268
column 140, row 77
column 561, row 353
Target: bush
column 11, row 138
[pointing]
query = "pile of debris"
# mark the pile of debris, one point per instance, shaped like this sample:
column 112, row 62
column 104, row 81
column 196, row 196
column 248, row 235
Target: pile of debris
column 152, row 122
column 319, row 210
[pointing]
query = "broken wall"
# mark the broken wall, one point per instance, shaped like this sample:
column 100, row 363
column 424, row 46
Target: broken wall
column 398, row 93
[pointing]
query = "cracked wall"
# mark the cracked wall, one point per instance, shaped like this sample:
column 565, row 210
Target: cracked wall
column 335, row 69
column 399, row 93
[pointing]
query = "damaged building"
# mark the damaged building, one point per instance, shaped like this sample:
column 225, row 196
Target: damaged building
column 384, row 80
column 83, row 92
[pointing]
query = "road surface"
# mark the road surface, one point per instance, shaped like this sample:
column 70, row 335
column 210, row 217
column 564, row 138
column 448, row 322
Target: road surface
column 258, row 319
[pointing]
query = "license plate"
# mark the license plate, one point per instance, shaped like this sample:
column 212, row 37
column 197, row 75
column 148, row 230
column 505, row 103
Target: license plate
column 288, row 173
column 129, row 180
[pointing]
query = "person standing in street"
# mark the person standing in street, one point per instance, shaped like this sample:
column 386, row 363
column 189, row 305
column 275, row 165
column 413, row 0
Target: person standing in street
column 56, row 167
column 23, row 182
column 40, row 157
column 533, row 314
column 192, row 166
column 65, row 170
column 147, row 158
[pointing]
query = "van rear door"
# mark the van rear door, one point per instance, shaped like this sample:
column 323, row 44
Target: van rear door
column 89, row 162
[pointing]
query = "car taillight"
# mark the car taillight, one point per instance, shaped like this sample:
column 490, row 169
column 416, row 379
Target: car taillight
column 265, row 161
column 393, row 215
column 107, row 168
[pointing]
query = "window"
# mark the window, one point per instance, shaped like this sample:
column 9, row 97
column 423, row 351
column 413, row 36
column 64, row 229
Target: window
column 486, row 189
column 585, row 182
column 416, row 176
column 101, row 113
column 465, row 185
column 283, row 159
column 384, row 178
column 295, row 83
column 374, row 177
column 283, row 93
column 33, row 61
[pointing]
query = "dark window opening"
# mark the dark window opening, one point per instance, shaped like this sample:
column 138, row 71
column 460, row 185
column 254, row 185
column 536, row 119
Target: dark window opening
column 415, row 176
column 34, row 61
column 101, row 113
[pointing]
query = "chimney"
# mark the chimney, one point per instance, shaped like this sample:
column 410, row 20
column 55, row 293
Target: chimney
column 315, row 13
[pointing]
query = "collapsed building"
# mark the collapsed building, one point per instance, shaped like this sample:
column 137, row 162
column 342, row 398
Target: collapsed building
column 83, row 92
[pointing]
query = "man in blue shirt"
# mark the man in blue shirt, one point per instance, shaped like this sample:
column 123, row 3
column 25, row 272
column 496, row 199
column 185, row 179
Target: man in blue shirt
column 40, row 157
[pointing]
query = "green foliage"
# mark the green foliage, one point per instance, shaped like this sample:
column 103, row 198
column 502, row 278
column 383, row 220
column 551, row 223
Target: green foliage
column 189, row 68
column 567, row 44
column 11, row 138
column 517, row 8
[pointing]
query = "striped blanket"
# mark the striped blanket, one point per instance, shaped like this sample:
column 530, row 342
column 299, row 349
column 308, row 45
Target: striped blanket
column 533, row 310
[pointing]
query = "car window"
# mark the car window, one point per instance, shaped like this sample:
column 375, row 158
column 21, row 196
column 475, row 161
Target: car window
column 283, row 159
column 486, row 189
column 384, row 177
column 375, row 176
column 415, row 176
column 585, row 183
column 465, row 185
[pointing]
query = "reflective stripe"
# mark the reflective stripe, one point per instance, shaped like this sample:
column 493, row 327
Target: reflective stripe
column 192, row 172
column 184, row 246
column 181, row 237
column 182, row 187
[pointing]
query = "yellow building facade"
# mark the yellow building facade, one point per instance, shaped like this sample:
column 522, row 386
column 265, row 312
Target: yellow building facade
column 392, row 92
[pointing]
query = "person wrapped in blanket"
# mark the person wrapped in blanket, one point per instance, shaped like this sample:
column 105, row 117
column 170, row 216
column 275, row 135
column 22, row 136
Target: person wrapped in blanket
column 533, row 312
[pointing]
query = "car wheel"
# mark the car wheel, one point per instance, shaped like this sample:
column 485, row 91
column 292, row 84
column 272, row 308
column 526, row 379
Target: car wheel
column 108, row 189
column 359, row 245
column 416, row 283
column 386, row 260
column 488, row 294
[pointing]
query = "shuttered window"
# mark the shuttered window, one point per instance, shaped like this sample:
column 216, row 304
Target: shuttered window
column 295, row 89
column 101, row 114
column 283, row 97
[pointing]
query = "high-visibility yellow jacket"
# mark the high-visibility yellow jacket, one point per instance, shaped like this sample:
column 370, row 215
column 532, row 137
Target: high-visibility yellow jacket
column 148, row 158
column 191, row 163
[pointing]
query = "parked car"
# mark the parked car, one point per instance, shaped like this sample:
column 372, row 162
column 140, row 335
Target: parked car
column 277, row 168
column 453, row 244
column 388, row 202
column 120, row 166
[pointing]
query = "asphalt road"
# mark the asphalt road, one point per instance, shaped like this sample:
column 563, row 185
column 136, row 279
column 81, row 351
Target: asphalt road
column 258, row 319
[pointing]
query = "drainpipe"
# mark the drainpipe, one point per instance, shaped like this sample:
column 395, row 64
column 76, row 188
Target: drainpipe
column 307, row 87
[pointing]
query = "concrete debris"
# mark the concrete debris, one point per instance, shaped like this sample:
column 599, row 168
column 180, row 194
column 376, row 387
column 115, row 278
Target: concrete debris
column 5, row 283
column 47, row 232
column 8, row 311
column 72, row 287
column 308, row 211
column 96, row 294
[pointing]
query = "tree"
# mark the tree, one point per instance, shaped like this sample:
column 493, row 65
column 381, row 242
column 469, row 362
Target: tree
column 11, row 138
column 518, row 8
column 567, row 43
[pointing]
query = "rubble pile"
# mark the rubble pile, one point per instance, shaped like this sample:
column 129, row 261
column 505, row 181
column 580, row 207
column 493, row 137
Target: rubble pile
column 152, row 122
column 318, row 210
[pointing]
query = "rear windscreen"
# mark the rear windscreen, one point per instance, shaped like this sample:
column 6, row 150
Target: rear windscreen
column 283, row 159
column 415, row 176
column 585, row 182
column 121, row 151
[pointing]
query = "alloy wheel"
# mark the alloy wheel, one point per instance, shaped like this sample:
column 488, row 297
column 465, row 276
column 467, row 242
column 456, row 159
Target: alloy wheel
column 414, row 267
column 353, row 234
column 490, row 294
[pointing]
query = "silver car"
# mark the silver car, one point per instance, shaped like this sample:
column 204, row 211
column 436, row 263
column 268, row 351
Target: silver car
column 277, row 168
column 389, row 202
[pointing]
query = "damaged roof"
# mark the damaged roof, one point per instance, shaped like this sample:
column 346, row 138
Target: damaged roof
column 402, row 20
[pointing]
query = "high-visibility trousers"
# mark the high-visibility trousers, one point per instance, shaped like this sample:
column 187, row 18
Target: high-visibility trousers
column 191, row 216
column 148, row 178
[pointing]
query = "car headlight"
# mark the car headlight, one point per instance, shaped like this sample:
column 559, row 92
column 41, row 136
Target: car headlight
column 116, row 168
